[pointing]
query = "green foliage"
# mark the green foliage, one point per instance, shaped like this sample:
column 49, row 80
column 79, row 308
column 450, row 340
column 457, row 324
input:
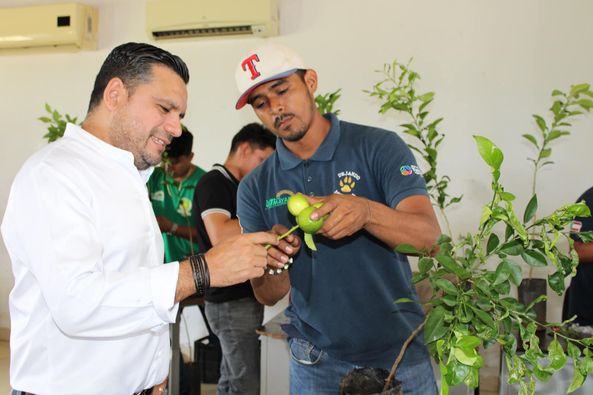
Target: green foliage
column 566, row 106
column 325, row 103
column 397, row 92
column 476, row 309
column 56, row 123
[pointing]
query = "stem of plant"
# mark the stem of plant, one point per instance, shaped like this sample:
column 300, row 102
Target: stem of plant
column 283, row 235
column 400, row 356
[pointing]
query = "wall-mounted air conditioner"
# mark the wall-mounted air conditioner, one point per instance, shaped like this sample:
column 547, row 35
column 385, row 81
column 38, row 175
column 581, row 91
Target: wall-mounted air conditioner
column 170, row 19
column 71, row 25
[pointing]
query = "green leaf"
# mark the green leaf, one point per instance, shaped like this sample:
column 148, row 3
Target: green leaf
column 577, row 381
column 578, row 89
column 468, row 342
column 573, row 351
column 465, row 356
column 489, row 152
column 556, row 355
column 493, row 242
column 449, row 263
column 585, row 103
column 446, row 286
column 531, row 209
column 545, row 153
column 556, row 282
column 406, row 249
column 425, row 264
column 457, row 372
column 507, row 196
column 404, row 300
column 586, row 237
column 435, row 325
column 513, row 247
column 556, row 92
column 534, row 258
column 309, row 242
column 484, row 317
column 554, row 134
column 531, row 139
column 502, row 273
column 515, row 272
column 541, row 123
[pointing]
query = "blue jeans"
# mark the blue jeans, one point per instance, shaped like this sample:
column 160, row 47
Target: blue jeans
column 234, row 323
column 313, row 372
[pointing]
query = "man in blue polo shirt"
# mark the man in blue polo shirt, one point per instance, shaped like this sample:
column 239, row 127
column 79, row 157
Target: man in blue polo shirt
column 342, row 311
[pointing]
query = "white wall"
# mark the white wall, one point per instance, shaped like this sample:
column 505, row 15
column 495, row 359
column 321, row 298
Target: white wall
column 491, row 63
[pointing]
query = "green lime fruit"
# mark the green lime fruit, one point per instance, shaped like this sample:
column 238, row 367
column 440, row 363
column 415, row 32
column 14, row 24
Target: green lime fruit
column 306, row 223
column 297, row 203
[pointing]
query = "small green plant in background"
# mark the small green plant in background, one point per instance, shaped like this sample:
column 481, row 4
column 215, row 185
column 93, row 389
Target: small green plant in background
column 565, row 107
column 325, row 103
column 56, row 123
column 398, row 92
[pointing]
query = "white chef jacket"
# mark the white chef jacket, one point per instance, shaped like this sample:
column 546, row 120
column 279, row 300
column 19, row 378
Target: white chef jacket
column 92, row 300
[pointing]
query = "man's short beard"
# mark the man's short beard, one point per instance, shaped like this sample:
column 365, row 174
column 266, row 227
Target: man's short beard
column 296, row 136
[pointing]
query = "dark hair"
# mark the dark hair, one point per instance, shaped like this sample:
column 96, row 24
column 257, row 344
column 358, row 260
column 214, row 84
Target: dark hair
column 132, row 63
column 256, row 135
column 181, row 145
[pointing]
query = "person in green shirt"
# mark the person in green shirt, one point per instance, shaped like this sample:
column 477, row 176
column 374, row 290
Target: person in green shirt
column 171, row 188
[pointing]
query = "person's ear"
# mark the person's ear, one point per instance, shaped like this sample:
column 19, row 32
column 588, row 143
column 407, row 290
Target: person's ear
column 310, row 78
column 114, row 93
column 190, row 156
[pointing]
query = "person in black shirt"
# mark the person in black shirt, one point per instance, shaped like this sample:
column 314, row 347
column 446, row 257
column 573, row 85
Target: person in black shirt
column 232, row 312
column 578, row 299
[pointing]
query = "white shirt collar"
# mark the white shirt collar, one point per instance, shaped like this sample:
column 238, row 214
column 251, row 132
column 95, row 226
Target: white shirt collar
column 122, row 156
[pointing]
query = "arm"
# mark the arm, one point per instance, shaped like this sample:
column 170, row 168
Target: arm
column 585, row 251
column 269, row 289
column 233, row 261
column 166, row 226
column 220, row 227
column 402, row 213
column 412, row 222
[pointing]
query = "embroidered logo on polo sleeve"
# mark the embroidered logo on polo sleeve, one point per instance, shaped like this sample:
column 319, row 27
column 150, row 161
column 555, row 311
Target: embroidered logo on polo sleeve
column 406, row 170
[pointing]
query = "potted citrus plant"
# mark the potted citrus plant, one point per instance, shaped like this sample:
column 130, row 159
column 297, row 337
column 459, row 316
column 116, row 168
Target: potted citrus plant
column 472, row 304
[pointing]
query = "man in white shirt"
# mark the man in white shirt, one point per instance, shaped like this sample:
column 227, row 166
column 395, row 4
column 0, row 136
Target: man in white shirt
column 92, row 301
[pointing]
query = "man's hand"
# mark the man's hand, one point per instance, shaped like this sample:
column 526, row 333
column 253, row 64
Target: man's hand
column 239, row 258
column 347, row 214
column 286, row 248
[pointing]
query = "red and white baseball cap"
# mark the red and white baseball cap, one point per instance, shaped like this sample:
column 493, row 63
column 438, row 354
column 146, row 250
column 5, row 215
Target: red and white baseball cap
column 269, row 62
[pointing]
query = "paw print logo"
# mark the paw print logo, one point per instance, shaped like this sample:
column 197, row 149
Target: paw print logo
column 347, row 184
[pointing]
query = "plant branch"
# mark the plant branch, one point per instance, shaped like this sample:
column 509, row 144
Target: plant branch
column 402, row 351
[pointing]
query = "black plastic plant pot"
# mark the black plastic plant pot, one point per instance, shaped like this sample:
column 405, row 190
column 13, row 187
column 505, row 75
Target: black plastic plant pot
column 368, row 381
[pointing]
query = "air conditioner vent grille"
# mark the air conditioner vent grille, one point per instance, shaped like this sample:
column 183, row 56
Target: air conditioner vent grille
column 203, row 32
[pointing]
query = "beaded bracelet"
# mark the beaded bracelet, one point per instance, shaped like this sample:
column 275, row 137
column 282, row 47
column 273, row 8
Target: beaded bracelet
column 279, row 270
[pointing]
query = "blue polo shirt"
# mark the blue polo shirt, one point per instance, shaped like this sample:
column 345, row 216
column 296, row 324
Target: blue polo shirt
column 342, row 295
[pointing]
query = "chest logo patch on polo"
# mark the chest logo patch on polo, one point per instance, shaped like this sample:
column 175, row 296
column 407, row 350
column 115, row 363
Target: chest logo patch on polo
column 347, row 181
column 280, row 199
column 185, row 206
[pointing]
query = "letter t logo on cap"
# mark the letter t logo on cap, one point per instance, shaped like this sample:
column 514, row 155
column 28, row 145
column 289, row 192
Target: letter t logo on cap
column 250, row 63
